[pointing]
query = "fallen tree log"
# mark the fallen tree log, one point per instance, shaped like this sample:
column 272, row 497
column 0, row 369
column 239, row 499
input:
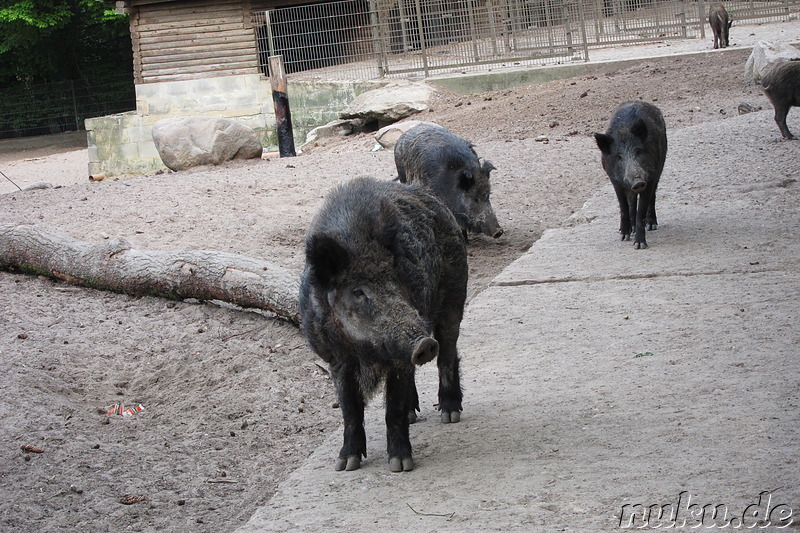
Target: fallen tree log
column 116, row 266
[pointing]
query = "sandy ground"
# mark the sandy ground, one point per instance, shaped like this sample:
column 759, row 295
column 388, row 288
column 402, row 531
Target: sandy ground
column 235, row 402
column 602, row 380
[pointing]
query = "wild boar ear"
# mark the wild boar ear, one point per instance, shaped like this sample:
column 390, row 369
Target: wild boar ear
column 327, row 256
column 466, row 180
column 639, row 129
column 487, row 168
column 604, row 142
column 386, row 224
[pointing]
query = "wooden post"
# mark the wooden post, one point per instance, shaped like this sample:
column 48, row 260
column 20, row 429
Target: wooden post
column 280, row 98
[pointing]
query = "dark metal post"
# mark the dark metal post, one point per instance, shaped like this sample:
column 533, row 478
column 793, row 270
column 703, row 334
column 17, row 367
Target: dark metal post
column 280, row 98
column 74, row 105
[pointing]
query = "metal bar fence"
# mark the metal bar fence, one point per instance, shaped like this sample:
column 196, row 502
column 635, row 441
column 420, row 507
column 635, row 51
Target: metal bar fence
column 46, row 108
column 364, row 39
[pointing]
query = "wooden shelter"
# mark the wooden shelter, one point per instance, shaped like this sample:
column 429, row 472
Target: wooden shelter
column 175, row 40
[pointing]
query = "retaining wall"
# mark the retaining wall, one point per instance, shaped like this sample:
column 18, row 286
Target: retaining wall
column 122, row 144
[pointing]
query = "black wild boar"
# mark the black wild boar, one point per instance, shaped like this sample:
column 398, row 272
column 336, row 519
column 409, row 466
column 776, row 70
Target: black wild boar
column 431, row 156
column 781, row 84
column 383, row 290
column 720, row 23
column 634, row 149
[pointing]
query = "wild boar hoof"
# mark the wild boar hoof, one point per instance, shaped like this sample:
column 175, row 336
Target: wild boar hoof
column 348, row 463
column 450, row 417
column 401, row 465
column 640, row 245
column 626, row 236
column 652, row 227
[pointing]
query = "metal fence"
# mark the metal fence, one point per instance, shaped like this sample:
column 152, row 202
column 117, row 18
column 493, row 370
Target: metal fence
column 365, row 39
column 46, row 108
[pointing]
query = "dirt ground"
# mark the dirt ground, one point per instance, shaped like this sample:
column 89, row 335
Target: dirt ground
column 234, row 401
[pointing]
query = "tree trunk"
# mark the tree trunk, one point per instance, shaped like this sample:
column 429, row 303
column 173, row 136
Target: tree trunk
column 178, row 274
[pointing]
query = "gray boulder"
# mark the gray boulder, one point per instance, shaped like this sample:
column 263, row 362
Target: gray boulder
column 388, row 136
column 390, row 103
column 335, row 128
column 186, row 142
column 764, row 54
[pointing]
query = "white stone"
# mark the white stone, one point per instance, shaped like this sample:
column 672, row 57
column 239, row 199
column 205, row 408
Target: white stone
column 764, row 54
column 393, row 102
column 186, row 142
column 388, row 136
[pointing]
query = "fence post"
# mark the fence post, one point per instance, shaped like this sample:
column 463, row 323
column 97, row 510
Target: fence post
column 567, row 27
column 401, row 8
column 491, row 11
column 422, row 46
column 548, row 14
column 682, row 18
column 512, row 26
column 701, row 18
column 472, row 30
column 599, row 22
column 74, row 104
column 280, row 99
column 377, row 38
column 270, row 37
column 582, row 16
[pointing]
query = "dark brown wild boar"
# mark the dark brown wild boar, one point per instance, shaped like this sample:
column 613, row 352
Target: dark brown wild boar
column 720, row 22
column 781, row 84
column 383, row 290
column 634, row 149
column 447, row 165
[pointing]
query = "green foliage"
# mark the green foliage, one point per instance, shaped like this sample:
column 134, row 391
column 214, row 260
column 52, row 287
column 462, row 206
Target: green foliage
column 54, row 40
column 30, row 14
column 62, row 61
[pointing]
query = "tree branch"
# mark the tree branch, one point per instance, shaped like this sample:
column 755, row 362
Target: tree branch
column 116, row 266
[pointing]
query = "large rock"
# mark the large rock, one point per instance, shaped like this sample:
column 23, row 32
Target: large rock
column 340, row 128
column 764, row 54
column 186, row 142
column 388, row 136
column 390, row 103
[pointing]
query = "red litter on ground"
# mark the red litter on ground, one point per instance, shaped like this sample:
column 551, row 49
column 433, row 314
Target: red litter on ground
column 120, row 409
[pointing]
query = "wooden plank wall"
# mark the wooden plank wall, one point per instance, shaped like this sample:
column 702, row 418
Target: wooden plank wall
column 182, row 40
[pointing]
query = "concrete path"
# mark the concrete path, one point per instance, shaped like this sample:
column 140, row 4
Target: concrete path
column 601, row 380
column 741, row 36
